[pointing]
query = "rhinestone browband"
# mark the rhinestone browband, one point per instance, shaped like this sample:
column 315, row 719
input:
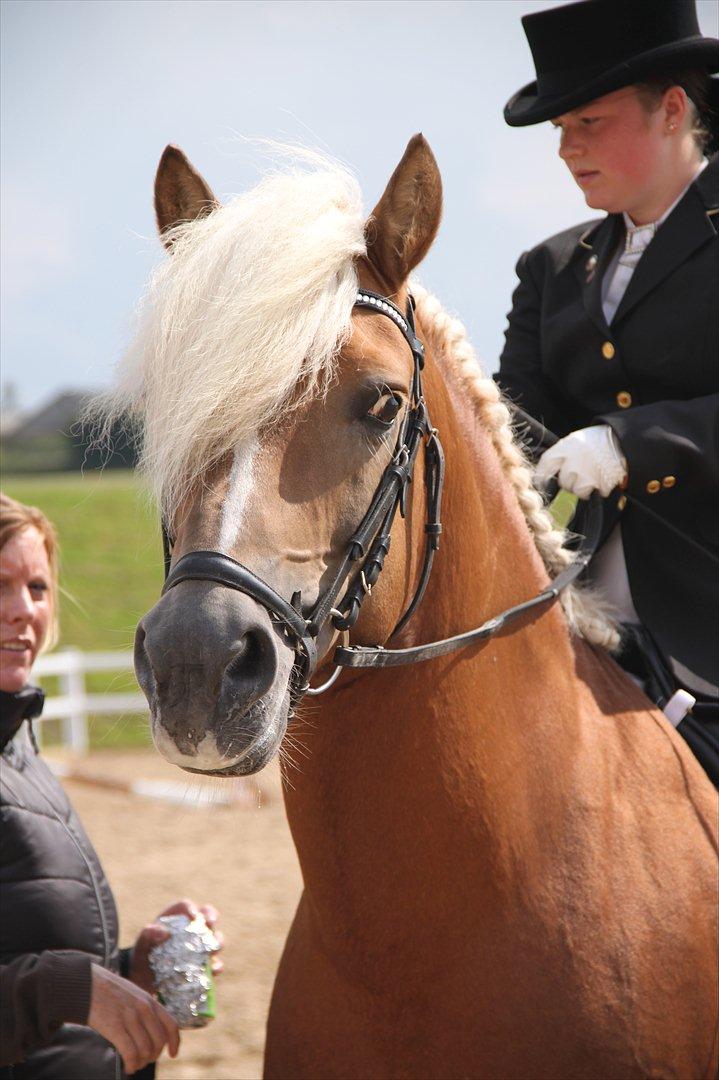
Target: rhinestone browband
column 385, row 306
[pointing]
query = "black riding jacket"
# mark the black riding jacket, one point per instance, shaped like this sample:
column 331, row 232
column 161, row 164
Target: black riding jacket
column 653, row 376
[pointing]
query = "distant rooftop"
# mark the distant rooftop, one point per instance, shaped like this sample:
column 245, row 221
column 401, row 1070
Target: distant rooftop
column 56, row 416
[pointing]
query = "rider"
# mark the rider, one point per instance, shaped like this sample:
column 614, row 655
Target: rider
column 613, row 336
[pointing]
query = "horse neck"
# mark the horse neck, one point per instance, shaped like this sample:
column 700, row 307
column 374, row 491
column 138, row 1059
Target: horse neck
column 455, row 750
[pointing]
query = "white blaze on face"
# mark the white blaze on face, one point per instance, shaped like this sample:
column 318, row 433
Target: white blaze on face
column 238, row 493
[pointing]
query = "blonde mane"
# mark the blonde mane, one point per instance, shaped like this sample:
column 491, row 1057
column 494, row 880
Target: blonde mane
column 449, row 342
column 252, row 306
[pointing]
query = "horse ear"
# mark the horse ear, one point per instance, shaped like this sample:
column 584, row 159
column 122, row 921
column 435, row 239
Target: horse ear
column 404, row 223
column 181, row 194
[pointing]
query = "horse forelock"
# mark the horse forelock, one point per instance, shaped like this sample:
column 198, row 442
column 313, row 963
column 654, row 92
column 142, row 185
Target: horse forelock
column 243, row 321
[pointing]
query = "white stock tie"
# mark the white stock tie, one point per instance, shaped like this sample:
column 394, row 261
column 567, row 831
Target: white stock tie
column 636, row 241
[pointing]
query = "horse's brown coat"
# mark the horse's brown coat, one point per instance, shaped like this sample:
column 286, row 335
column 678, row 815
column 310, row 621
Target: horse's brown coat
column 508, row 862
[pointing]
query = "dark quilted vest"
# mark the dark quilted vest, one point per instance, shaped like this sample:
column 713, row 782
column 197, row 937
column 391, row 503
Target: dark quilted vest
column 54, row 896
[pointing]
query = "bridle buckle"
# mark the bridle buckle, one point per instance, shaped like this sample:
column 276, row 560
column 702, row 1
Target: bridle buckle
column 313, row 691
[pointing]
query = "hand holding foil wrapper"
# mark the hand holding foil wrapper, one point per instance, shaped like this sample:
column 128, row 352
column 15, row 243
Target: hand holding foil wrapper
column 181, row 966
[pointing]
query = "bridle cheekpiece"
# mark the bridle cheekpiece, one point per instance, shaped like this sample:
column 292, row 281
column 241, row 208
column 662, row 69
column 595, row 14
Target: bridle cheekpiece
column 367, row 548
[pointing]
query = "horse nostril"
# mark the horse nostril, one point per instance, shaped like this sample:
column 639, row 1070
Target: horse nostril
column 143, row 668
column 253, row 668
column 247, row 655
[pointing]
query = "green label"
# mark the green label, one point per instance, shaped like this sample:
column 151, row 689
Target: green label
column 208, row 1008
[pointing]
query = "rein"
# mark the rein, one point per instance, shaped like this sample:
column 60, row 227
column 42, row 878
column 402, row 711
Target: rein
column 367, row 549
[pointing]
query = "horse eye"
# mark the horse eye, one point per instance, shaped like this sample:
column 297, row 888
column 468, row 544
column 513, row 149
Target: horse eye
column 385, row 409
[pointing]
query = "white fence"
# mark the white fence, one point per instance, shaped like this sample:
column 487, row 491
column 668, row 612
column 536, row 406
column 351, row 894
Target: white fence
column 73, row 705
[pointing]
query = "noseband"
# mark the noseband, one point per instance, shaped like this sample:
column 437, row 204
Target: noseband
column 367, row 549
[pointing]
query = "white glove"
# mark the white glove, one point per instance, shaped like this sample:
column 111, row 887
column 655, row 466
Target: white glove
column 584, row 461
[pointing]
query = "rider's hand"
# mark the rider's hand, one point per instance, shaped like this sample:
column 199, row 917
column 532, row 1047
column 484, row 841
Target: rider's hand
column 585, row 461
column 131, row 1019
column 154, row 933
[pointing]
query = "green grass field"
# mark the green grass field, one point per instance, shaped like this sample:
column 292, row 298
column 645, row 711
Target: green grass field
column 110, row 573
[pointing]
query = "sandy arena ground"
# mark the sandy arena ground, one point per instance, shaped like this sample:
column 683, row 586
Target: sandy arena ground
column 240, row 857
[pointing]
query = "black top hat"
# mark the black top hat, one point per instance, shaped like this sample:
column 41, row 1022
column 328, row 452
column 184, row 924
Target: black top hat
column 584, row 50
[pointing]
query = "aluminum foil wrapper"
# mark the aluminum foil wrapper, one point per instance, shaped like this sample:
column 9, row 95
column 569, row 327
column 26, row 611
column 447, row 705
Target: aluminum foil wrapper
column 181, row 966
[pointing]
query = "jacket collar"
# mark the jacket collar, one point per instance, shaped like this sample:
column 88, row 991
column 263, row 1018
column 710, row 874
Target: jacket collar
column 692, row 223
column 25, row 704
column 687, row 228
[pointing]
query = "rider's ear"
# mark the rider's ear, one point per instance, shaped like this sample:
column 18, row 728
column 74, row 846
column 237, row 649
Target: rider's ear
column 180, row 193
column 405, row 221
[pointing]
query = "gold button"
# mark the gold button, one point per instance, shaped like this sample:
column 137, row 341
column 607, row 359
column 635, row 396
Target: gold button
column 669, row 481
column 624, row 399
column 621, row 502
column 608, row 350
column 653, row 487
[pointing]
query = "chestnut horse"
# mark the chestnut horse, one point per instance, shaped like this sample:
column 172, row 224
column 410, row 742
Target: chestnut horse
column 508, row 855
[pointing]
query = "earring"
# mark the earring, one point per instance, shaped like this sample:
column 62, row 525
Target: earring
column 671, row 127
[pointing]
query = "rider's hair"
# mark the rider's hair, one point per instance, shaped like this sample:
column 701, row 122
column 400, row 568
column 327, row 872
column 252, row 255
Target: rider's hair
column 696, row 84
column 15, row 517
column 448, row 337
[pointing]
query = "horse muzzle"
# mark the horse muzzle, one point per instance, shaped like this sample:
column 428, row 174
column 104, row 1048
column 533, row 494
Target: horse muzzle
column 216, row 674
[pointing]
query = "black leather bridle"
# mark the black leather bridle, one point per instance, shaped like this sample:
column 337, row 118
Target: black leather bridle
column 367, row 549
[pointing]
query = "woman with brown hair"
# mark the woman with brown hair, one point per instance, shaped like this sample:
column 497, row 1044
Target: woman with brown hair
column 73, row 1005
column 613, row 336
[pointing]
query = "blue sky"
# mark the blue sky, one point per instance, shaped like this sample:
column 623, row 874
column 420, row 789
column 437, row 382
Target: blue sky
column 93, row 90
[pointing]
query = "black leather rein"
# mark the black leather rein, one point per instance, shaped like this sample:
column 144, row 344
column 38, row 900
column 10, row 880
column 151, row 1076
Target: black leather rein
column 367, row 549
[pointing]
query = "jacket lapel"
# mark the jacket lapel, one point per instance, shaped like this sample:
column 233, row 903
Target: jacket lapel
column 597, row 247
column 688, row 227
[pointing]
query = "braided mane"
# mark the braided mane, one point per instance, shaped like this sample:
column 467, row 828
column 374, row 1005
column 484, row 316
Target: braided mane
column 450, row 343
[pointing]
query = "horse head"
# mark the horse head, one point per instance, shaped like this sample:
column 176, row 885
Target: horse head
column 271, row 407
